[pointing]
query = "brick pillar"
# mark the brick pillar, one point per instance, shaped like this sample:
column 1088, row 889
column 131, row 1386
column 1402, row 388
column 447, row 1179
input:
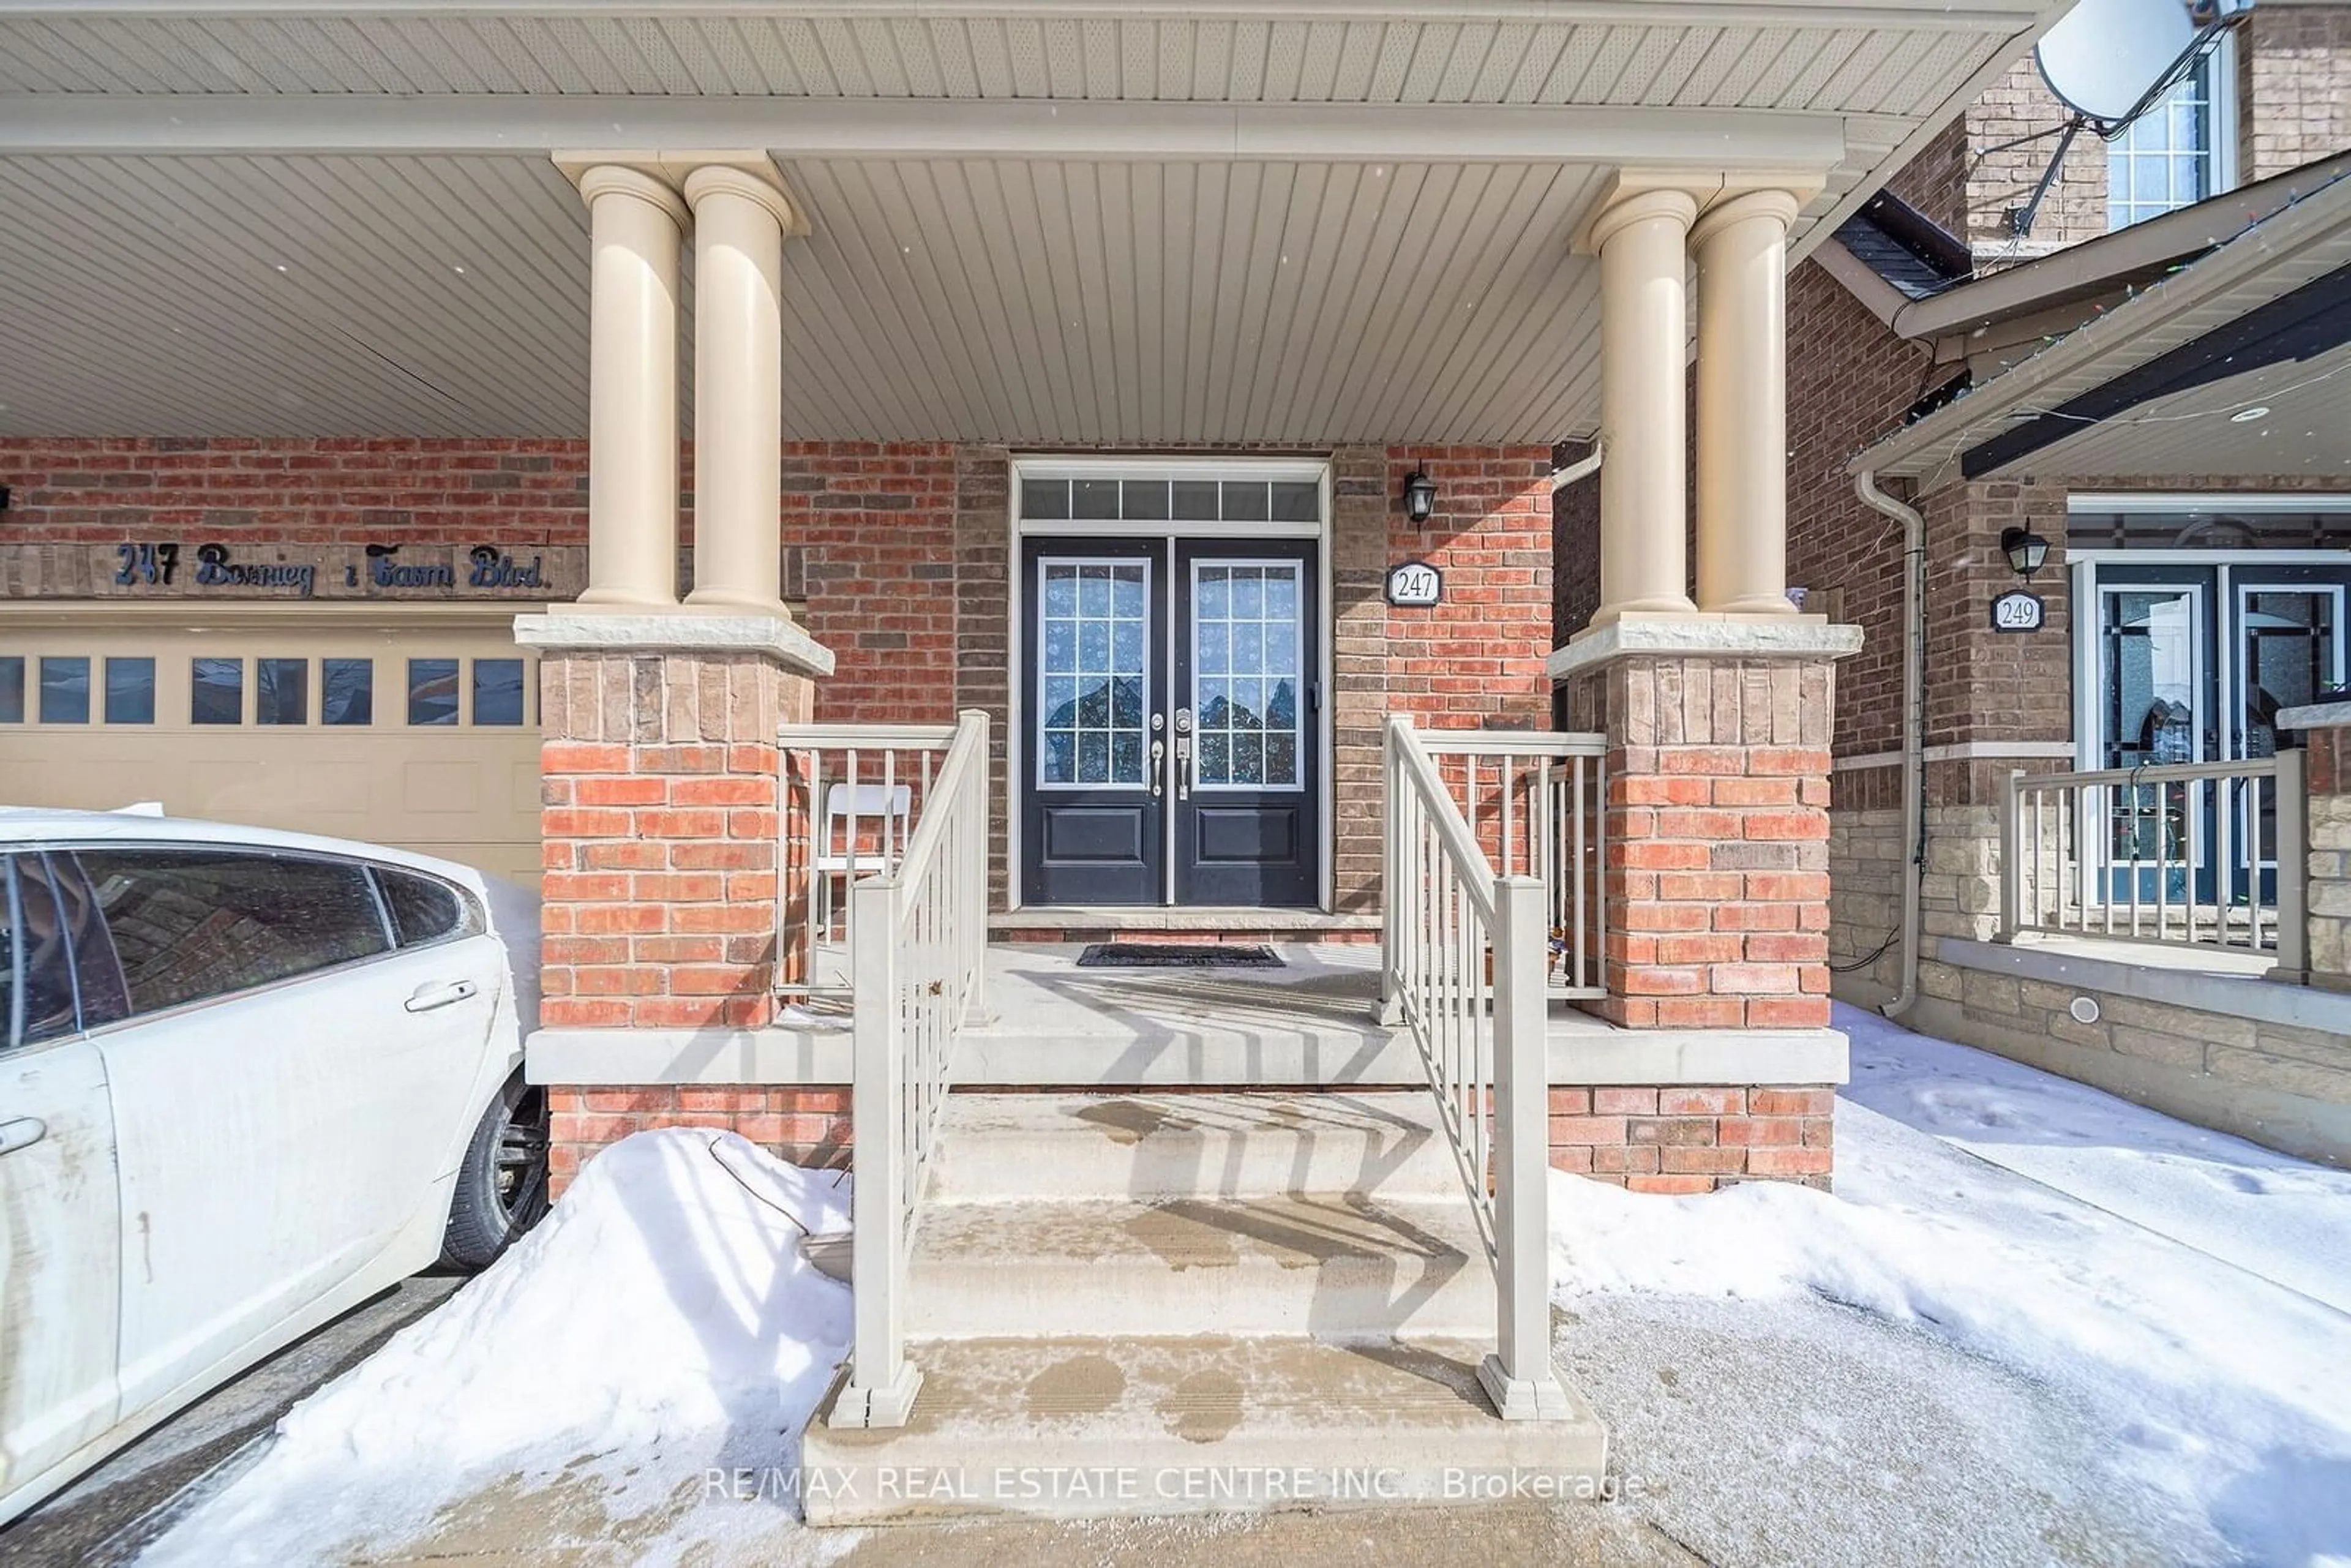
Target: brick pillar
column 661, row 816
column 2326, row 778
column 1716, row 879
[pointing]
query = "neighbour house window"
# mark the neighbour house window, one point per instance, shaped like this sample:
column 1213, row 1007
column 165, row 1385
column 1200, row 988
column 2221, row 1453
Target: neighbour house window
column 191, row 924
column 425, row 910
column 2176, row 154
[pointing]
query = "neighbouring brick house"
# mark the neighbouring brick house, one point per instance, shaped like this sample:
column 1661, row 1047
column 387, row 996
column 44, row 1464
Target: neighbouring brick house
column 2151, row 391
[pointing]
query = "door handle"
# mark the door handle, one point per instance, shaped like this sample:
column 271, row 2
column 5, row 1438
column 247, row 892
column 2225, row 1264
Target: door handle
column 424, row 998
column 1158, row 769
column 22, row 1133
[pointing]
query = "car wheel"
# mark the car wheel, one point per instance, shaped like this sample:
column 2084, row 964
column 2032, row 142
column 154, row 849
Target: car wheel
column 502, row 1186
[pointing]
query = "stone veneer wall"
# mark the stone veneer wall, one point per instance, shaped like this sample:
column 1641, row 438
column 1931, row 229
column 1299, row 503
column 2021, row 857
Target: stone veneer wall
column 2327, row 776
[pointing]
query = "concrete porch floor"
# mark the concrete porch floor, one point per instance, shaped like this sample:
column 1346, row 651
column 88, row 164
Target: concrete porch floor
column 1313, row 1021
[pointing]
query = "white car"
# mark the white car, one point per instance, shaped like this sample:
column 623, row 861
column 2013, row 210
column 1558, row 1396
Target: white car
column 247, row 1080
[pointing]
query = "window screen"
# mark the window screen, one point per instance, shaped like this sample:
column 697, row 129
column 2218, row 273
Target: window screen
column 426, row 910
column 188, row 925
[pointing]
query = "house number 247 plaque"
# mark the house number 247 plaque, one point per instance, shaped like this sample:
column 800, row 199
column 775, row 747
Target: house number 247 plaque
column 1416, row 585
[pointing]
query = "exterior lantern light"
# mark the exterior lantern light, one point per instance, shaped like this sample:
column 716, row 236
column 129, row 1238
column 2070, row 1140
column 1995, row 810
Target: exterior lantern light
column 1419, row 497
column 2025, row 549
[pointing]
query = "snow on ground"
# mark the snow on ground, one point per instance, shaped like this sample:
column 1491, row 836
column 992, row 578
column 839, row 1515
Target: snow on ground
column 661, row 1321
column 2033, row 1324
column 2135, row 1275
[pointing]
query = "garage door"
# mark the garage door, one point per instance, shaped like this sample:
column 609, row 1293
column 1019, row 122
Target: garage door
column 418, row 730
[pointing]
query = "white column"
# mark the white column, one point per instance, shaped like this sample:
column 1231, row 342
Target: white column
column 1644, row 342
column 738, row 388
column 1742, row 404
column 634, row 222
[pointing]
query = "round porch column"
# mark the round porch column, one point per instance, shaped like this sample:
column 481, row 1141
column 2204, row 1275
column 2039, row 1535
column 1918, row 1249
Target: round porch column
column 1742, row 404
column 635, row 223
column 1644, row 340
column 738, row 390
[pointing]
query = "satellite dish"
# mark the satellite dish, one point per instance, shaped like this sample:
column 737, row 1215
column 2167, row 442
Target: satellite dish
column 2103, row 55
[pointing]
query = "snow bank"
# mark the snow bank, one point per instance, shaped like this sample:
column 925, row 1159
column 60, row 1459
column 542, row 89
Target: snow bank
column 2215, row 1383
column 661, row 1321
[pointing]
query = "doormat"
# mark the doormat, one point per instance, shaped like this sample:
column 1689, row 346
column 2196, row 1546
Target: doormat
column 1178, row 956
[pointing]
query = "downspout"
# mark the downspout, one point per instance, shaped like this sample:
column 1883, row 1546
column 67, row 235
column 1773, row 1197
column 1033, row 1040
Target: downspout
column 1582, row 468
column 1913, row 657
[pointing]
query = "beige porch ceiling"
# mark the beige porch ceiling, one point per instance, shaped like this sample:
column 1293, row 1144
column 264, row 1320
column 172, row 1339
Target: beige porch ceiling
column 999, row 301
column 1068, row 221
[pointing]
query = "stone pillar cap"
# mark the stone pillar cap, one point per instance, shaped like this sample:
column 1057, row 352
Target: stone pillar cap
column 674, row 631
column 1758, row 637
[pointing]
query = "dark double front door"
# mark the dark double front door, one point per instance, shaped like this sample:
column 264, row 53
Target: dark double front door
column 1171, row 722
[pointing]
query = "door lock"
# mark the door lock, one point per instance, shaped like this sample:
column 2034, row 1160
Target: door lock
column 1183, row 753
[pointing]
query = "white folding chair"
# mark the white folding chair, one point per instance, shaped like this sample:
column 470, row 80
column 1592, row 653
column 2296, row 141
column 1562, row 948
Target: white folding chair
column 842, row 850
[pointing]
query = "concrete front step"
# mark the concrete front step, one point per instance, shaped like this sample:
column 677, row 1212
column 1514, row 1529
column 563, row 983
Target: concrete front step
column 1332, row 1266
column 1080, row 1428
column 1196, row 1146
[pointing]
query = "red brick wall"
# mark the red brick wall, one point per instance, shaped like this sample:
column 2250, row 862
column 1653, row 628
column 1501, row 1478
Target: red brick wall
column 804, row 1124
column 1695, row 1139
column 1476, row 660
column 877, row 526
column 509, row 493
column 1849, row 379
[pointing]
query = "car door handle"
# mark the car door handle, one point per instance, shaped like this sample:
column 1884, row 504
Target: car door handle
column 22, row 1133
column 424, row 998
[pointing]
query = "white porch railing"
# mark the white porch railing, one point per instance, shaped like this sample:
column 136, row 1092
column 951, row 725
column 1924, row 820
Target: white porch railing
column 2192, row 854
column 1464, row 961
column 918, row 949
column 856, row 792
column 1534, row 802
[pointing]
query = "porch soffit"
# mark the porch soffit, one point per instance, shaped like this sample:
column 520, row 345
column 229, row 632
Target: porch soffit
column 2186, row 434
column 1003, row 301
column 1057, row 223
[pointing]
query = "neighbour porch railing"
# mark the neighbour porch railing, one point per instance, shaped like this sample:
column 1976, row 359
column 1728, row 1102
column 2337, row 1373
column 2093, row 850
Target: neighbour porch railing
column 2192, row 854
column 1534, row 800
column 918, row 948
column 856, row 791
column 1464, row 961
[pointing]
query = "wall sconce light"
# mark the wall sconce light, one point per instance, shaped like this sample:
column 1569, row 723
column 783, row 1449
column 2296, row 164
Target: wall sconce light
column 2025, row 549
column 1419, row 497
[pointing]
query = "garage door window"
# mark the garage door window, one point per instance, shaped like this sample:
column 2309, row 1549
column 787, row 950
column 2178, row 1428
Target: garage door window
column 217, row 691
column 432, row 691
column 191, row 925
column 281, row 691
column 12, row 689
column 130, row 691
column 498, row 691
column 65, row 691
column 347, row 691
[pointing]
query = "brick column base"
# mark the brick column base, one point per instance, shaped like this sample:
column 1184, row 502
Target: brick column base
column 661, row 814
column 1690, row 1139
column 1717, row 873
column 804, row 1124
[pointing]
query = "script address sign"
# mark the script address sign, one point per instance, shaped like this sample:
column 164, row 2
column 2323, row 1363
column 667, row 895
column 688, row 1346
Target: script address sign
column 1416, row 585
